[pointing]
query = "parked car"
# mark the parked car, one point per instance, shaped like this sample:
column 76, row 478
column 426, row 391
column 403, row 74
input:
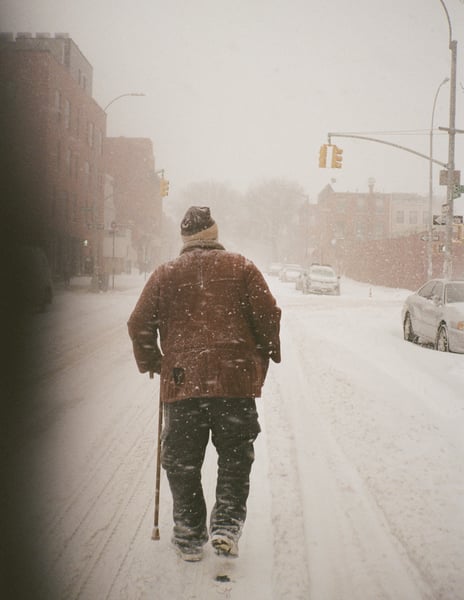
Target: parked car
column 274, row 268
column 321, row 279
column 290, row 272
column 435, row 315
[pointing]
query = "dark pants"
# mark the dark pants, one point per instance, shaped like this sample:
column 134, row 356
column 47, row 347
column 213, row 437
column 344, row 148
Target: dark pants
column 234, row 426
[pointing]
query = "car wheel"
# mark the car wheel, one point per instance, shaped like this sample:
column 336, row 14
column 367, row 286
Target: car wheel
column 442, row 343
column 408, row 331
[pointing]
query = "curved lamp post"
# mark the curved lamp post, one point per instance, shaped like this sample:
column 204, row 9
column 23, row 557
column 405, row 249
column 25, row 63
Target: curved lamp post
column 95, row 284
column 429, row 239
column 122, row 96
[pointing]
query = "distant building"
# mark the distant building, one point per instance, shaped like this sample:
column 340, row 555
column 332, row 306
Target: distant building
column 409, row 214
column 52, row 133
column 137, row 197
column 345, row 218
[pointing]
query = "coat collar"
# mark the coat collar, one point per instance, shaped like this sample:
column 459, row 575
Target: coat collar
column 201, row 245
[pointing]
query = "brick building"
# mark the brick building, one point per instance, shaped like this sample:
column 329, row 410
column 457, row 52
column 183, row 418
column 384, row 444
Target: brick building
column 379, row 238
column 346, row 217
column 52, row 145
column 137, row 199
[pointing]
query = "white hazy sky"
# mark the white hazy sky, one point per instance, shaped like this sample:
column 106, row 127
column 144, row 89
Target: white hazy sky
column 243, row 90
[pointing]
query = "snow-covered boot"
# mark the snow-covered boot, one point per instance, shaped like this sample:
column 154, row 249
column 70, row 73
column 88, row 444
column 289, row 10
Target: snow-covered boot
column 224, row 545
column 189, row 553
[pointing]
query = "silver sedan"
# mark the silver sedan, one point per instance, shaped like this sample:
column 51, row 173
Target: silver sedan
column 435, row 315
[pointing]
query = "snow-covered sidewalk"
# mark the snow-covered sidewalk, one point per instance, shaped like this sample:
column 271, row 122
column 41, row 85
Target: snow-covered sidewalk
column 357, row 485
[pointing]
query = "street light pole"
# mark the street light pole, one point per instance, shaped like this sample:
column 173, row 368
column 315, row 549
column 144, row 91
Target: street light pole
column 95, row 282
column 430, row 220
column 448, row 259
column 113, row 231
column 122, row 96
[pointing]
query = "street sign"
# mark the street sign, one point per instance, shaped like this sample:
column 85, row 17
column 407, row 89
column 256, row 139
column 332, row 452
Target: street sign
column 441, row 219
column 425, row 237
column 456, row 177
column 458, row 190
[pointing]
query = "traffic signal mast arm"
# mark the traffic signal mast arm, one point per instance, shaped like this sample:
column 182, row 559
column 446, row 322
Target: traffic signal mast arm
column 369, row 139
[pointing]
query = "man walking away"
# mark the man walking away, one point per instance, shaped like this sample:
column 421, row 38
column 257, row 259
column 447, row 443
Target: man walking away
column 208, row 324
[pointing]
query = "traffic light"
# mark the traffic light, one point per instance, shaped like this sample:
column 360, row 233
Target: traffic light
column 337, row 157
column 323, row 156
column 164, row 187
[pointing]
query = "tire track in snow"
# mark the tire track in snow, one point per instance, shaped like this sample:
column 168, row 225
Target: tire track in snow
column 95, row 510
column 113, row 527
column 289, row 570
column 87, row 484
column 353, row 551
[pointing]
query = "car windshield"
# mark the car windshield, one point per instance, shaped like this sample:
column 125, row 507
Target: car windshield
column 326, row 271
column 455, row 292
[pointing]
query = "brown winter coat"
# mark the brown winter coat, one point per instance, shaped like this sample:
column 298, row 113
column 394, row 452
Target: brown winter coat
column 217, row 324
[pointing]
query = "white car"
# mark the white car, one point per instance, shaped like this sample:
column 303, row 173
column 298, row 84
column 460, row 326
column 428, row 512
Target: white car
column 290, row 273
column 274, row 268
column 435, row 315
column 321, row 279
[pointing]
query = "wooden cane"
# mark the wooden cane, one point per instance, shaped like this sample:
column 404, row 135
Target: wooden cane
column 155, row 535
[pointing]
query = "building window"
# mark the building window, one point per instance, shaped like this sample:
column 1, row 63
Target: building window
column 339, row 231
column 53, row 205
column 379, row 204
column 413, row 217
column 360, row 230
column 378, row 231
column 65, row 207
column 99, row 141
column 90, row 133
column 360, row 202
column 68, row 162
column 67, row 113
column 400, row 216
column 74, row 208
column 58, row 104
column 87, row 173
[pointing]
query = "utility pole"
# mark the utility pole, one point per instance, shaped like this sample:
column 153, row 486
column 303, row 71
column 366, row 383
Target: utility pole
column 430, row 217
column 451, row 180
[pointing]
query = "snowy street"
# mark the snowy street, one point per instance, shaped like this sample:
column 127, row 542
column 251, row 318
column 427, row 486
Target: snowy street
column 357, row 487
